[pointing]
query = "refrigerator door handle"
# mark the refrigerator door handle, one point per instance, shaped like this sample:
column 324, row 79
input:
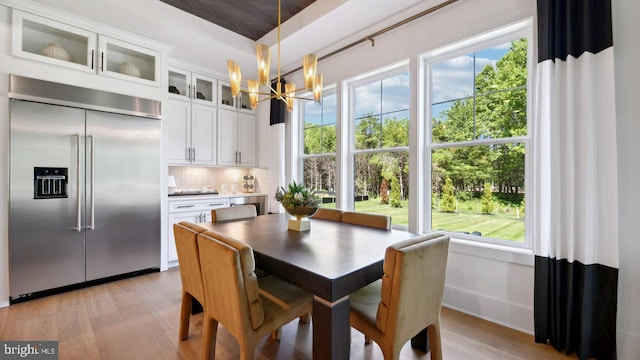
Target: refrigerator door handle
column 78, row 226
column 93, row 183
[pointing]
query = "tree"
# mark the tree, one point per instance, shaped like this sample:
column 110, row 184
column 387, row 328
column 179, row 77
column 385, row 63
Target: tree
column 497, row 109
column 448, row 203
column 487, row 199
column 395, row 199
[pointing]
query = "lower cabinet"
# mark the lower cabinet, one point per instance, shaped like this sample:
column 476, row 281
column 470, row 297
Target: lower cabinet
column 195, row 211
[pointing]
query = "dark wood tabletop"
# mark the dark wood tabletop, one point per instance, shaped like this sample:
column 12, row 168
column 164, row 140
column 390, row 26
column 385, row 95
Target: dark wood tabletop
column 331, row 261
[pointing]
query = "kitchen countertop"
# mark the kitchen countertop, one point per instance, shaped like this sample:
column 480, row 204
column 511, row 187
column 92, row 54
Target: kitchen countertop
column 215, row 195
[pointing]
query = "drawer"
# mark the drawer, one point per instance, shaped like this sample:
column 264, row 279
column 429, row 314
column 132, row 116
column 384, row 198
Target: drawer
column 198, row 205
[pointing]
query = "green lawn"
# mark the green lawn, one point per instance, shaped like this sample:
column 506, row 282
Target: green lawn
column 504, row 225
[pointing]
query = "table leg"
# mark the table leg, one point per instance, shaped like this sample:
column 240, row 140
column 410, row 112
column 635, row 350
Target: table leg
column 421, row 341
column 331, row 329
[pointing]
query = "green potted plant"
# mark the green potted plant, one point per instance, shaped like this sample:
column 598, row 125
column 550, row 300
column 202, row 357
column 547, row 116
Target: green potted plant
column 300, row 202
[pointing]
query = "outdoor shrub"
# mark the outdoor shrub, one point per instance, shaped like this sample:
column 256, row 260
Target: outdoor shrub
column 395, row 197
column 487, row 199
column 448, row 199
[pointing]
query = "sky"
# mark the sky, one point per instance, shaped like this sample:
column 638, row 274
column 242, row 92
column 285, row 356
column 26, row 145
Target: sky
column 451, row 79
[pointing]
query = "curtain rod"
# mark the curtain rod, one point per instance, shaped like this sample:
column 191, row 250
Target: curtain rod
column 371, row 37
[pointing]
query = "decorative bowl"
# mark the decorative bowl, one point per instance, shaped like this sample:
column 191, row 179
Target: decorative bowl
column 55, row 51
column 301, row 211
column 129, row 69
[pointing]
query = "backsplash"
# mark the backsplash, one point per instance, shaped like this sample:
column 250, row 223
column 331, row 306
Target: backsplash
column 224, row 180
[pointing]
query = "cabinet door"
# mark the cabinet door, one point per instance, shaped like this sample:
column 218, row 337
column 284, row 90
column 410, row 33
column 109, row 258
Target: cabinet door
column 203, row 134
column 227, row 137
column 179, row 84
column 178, row 122
column 204, row 89
column 45, row 40
column 126, row 61
column 225, row 100
column 194, row 217
column 246, row 140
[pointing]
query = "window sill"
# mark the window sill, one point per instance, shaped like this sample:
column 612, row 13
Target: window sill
column 492, row 251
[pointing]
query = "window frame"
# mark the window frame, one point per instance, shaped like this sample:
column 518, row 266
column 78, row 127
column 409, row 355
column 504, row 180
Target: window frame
column 326, row 91
column 349, row 87
column 522, row 29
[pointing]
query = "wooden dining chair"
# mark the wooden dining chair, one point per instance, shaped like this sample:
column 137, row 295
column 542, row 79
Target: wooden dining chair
column 367, row 219
column 248, row 307
column 328, row 214
column 185, row 234
column 233, row 213
column 407, row 299
column 236, row 212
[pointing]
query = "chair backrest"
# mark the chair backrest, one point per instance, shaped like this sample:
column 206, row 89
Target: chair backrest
column 236, row 212
column 412, row 285
column 328, row 214
column 232, row 293
column 366, row 219
column 185, row 235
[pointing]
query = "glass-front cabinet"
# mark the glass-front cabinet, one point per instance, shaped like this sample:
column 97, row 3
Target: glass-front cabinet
column 187, row 85
column 227, row 101
column 49, row 41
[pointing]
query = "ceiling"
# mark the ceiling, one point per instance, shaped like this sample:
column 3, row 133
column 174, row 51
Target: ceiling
column 250, row 18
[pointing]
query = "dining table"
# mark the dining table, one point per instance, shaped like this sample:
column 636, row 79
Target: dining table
column 330, row 261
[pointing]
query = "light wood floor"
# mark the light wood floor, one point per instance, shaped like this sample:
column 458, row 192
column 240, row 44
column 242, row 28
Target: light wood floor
column 137, row 318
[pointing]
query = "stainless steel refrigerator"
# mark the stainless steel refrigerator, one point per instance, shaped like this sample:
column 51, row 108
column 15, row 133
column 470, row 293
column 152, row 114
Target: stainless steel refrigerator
column 84, row 186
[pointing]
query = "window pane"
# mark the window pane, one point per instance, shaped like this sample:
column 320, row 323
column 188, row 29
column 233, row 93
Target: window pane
column 495, row 65
column 320, row 174
column 312, row 114
column 368, row 132
column 395, row 93
column 501, row 114
column 479, row 190
column 367, row 99
column 497, row 108
column 452, row 79
column 452, row 121
column 382, row 184
column 328, row 139
column 329, row 109
column 395, row 129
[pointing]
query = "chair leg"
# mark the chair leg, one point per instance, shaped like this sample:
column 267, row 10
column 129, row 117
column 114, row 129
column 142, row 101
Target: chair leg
column 209, row 336
column 276, row 334
column 367, row 340
column 185, row 315
column 305, row 318
column 435, row 343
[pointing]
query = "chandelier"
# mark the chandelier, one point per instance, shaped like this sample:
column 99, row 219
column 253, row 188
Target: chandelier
column 312, row 80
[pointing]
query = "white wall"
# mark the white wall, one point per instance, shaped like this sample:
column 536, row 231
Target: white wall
column 627, row 71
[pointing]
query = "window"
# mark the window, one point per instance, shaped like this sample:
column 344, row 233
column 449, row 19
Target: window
column 319, row 143
column 479, row 137
column 380, row 136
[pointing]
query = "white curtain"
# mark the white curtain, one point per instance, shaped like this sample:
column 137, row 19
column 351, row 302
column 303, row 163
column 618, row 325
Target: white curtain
column 575, row 188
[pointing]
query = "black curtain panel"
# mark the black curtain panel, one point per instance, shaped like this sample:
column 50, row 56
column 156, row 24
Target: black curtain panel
column 278, row 107
column 576, row 263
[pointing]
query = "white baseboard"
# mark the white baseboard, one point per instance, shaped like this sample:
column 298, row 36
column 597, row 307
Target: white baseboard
column 628, row 346
column 508, row 314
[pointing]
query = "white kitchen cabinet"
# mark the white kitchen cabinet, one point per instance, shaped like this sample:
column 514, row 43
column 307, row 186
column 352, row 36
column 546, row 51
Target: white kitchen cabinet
column 52, row 42
column 226, row 101
column 192, row 132
column 236, row 138
column 191, row 86
column 195, row 211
